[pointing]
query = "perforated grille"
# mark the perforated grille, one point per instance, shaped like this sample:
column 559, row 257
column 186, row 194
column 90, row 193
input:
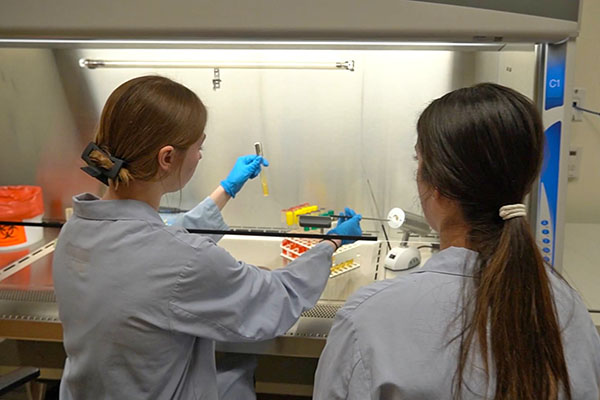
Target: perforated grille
column 36, row 296
column 322, row 311
column 38, row 318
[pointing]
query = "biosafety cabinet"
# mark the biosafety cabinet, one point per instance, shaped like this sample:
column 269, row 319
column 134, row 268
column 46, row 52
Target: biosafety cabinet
column 332, row 89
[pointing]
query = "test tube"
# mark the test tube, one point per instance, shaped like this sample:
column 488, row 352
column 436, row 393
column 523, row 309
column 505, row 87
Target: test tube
column 263, row 178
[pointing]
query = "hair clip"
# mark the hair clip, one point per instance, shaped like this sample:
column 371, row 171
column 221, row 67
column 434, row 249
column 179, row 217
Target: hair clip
column 102, row 174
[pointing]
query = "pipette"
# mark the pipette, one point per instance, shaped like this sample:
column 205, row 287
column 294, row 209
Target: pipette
column 324, row 221
column 263, row 179
column 397, row 219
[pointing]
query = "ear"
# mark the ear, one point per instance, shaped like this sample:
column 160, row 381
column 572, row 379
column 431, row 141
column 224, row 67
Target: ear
column 441, row 200
column 435, row 193
column 166, row 158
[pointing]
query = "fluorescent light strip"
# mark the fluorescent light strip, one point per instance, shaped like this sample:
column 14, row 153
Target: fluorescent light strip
column 93, row 64
column 325, row 43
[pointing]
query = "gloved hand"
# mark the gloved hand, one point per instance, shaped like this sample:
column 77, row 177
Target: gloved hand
column 246, row 167
column 349, row 227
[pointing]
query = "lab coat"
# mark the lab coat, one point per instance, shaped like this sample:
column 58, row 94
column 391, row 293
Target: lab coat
column 390, row 340
column 142, row 303
column 235, row 372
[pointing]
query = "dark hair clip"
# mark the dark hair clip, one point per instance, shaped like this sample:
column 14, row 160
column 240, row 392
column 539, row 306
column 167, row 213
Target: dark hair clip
column 102, row 174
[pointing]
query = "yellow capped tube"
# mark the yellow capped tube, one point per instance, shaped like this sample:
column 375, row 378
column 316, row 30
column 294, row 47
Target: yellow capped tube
column 289, row 218
column 263, row 179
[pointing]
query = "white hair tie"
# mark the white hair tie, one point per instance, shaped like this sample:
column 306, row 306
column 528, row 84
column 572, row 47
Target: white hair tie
column 512, row 211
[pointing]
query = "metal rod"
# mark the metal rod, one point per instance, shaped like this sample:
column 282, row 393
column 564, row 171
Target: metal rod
column 282, row 234
column 46, row 224
column 242, row 232
column 387, row 239
column 27, row 260
column 93, row 64
column 365, row 218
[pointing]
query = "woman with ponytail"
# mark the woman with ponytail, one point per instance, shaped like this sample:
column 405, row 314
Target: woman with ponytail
column 484, row 318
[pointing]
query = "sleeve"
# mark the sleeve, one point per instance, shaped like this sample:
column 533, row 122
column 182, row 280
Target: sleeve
column 341, row 372
column 219, row 298
column 206, row 215
column 581, row 342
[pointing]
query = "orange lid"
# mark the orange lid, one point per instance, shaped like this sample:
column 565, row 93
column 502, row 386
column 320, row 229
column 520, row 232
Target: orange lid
column 20, row 202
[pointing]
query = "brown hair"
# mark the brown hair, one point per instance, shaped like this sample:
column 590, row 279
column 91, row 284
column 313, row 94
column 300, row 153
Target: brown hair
column 483, row 147
column 139, row 118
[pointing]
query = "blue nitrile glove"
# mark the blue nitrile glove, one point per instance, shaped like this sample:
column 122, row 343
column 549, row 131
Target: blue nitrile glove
column 246, row 167
column 348, row 227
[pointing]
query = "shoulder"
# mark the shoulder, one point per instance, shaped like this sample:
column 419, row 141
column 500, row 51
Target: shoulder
column 443, row 274
column 185, row 239
column 401, row 294
column 429, row 296
column 570, row 307
column 368, row 294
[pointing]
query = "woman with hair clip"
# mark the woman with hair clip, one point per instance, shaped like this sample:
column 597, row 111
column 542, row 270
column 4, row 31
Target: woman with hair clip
column 142, row 303
column 484, row 318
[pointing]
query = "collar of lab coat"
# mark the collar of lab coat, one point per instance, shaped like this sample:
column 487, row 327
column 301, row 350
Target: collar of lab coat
column 90, row 206
column 452, row 261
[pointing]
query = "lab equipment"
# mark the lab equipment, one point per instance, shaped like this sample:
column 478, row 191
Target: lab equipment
column 315, row 221
column 408, row 222
column 402, row 258
column 291, row 215
column 387, row 239
column 345, row 259
column 291, row 248
column 263, row 179
column 324, row 221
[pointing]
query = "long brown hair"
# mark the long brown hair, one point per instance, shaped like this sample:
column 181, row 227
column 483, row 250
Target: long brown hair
column 483, row 147
column 140, row 117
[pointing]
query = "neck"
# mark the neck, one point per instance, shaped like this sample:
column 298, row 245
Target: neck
column 454, row 235
column 148, row 192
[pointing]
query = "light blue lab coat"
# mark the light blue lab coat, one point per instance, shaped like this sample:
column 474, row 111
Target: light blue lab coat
column 235, row 372
column 142, row 303
column 389, row 341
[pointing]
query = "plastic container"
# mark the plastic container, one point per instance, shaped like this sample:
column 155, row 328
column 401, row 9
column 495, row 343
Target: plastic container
column 20, row 203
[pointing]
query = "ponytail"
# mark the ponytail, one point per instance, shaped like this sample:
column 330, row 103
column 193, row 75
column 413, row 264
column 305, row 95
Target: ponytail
column 103, row 161
column 513, row 299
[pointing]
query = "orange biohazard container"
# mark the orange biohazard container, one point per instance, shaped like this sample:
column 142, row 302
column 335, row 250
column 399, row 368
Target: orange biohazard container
column 20, row 203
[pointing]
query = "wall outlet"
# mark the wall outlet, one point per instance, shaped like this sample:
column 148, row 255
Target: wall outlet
column 578, row 100
column 574, row 162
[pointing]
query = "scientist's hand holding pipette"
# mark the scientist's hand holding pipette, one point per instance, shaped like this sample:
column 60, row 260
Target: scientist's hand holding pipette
column 348, row 227
column 246, row 167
